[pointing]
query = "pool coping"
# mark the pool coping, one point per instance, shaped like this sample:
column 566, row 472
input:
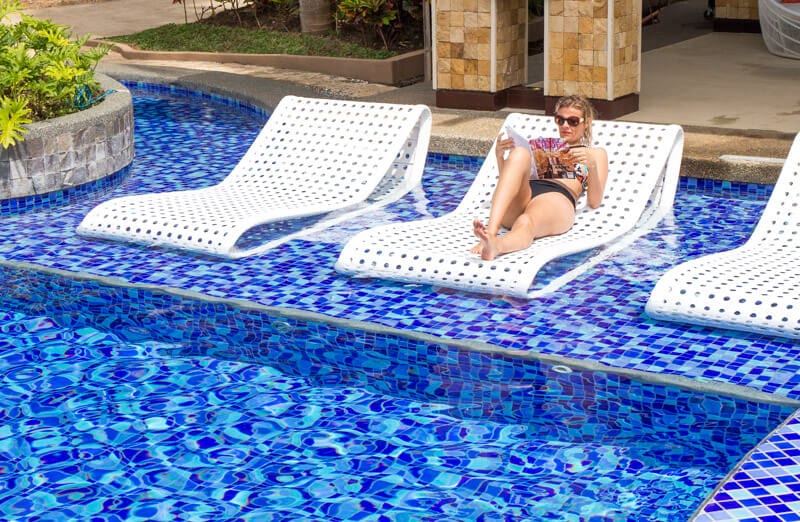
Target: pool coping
column 461, row 132
column 686, row 383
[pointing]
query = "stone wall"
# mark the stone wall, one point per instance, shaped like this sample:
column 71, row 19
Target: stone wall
column 71, row 150
column 480, row 45
column 580, row 61
column 736, row 9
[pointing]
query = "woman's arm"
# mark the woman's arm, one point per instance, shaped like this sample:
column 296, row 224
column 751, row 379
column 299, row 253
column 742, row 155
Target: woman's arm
column 502, row 145
column 596, row 160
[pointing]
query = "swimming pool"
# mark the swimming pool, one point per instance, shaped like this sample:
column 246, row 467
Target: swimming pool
column 597, row 318
column 127, row 404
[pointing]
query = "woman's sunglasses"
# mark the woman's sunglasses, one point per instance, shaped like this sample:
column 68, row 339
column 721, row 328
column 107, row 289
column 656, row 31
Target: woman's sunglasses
column 572, row 121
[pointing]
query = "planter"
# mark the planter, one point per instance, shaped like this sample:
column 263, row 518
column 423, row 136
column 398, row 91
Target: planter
column 69, row 151
column 397, row 70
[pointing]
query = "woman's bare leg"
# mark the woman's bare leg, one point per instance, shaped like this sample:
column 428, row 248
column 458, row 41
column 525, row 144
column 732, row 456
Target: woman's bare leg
column 513, row 191
column 548, row 214
column 511, row 195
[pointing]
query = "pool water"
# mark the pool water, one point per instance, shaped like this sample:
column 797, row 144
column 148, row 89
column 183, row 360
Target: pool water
column 127, row 404
column 187, row 140
column 172, row 440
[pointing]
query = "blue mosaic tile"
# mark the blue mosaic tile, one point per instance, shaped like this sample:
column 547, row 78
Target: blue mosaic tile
column 725, row 189
column 188, row 140
column 599, row 314
column 131, row 404
column 764, row 487
column 60, row 197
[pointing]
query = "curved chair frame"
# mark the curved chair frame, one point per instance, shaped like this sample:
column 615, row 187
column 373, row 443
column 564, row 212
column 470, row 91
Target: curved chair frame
column 644, row 165
column 314, row 157
column 753, row 287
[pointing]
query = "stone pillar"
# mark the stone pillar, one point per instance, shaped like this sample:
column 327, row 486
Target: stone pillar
column 593, row 47
column 738, row 16
column 479, row 51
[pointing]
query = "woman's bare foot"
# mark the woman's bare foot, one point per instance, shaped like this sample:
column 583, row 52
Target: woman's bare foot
column 487, row 248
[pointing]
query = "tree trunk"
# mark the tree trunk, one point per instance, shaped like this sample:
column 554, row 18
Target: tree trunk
column 315, row 16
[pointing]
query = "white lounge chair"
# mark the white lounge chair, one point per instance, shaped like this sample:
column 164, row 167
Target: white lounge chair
column 643, row 175
column 755, row 287
column 314, row 157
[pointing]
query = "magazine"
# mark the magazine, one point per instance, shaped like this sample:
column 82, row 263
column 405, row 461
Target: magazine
column 549, row 156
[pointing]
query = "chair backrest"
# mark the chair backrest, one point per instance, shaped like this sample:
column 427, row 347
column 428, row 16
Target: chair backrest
column 639, row 154
column 779, row 225
column 327, row 147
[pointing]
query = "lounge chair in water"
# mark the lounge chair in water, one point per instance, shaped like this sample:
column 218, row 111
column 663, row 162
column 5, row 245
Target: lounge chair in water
column 755, row 287
column 644, row 164
column 320, row 158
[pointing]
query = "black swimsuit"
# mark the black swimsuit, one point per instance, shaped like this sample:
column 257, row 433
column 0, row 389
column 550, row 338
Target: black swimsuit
column 543, row 186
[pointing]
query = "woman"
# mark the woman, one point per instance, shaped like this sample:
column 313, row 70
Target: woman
column 543, row 207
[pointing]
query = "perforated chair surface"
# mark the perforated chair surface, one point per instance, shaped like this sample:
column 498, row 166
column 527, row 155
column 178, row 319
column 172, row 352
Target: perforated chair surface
column 755, row 287
column 644, row 164
column 313, row 157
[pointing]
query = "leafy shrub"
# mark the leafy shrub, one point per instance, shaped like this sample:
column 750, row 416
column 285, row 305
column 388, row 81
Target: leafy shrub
column 45, row 72
column 369, row 15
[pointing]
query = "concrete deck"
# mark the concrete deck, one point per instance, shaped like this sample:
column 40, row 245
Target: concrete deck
column 731, row 95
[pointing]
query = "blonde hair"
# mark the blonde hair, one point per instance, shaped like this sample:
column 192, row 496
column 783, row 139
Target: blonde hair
column 585, row 106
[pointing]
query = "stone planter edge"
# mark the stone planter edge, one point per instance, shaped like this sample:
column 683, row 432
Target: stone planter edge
column 71, row 150
column 402, row 69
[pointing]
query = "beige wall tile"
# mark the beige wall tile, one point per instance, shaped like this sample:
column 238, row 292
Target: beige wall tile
column 556, row 71
column 470, row 19
column 600, row 58
column 599, row 74
column 571, row 24
column 570, row 72
column 470, row 82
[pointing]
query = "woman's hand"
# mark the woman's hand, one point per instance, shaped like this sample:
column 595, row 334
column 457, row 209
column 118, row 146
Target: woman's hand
column 580, row 155
column 502, row 144
column 596, row 161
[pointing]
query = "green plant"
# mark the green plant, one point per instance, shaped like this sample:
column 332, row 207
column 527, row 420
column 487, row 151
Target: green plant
column 369, row 15
column 211, row 38
column 287, row 8
column 44, row 70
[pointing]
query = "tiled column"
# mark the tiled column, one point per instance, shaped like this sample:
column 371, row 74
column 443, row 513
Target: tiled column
column 593, row 47
column 479, row 51
column 739, row 16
